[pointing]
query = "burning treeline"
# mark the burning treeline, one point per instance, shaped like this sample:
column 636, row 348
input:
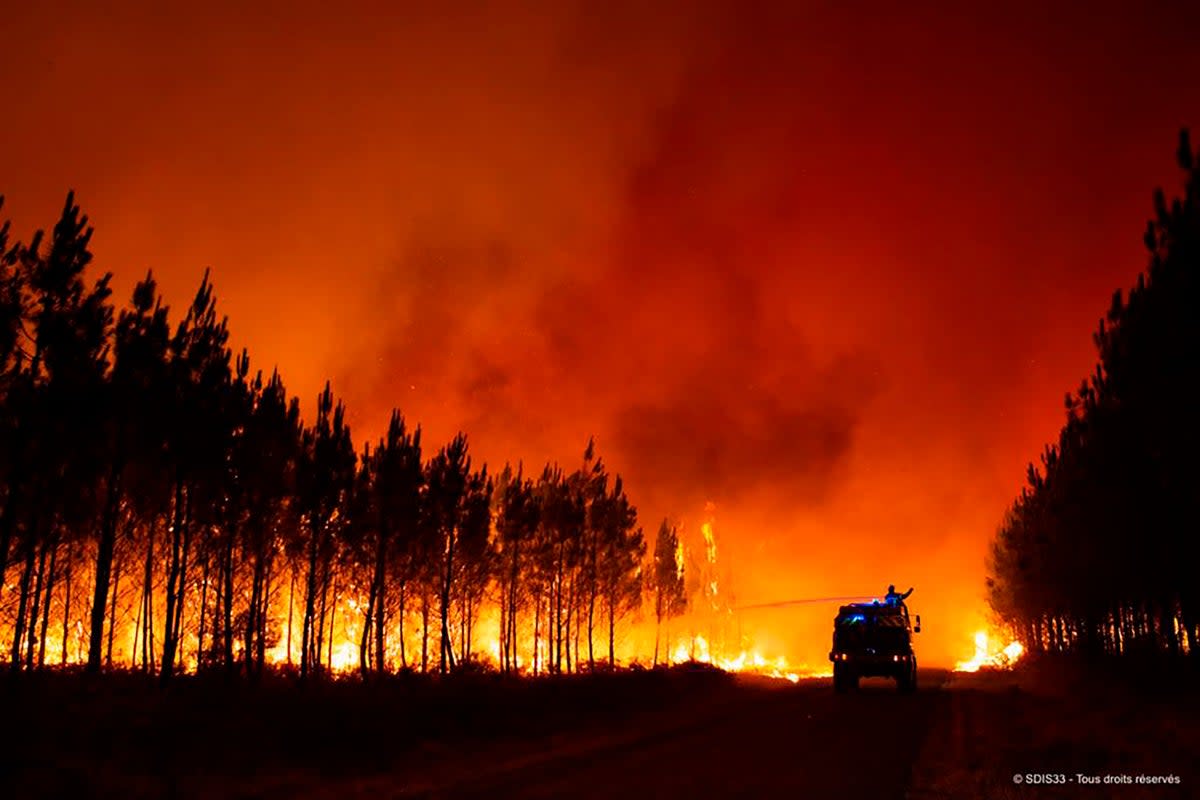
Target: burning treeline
column 163, row 506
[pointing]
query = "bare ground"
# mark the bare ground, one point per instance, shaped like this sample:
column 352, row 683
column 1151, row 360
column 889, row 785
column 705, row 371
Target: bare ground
column 683, row 733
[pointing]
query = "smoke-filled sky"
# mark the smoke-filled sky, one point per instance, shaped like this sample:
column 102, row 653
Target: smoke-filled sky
column 831, row 268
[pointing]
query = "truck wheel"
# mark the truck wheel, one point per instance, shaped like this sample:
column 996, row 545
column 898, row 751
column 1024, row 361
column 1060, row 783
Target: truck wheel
column 841, row 679
column 907, row 682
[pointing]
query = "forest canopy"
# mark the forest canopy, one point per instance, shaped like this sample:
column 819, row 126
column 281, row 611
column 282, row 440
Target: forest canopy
column 164, row 507
column 1099, row 552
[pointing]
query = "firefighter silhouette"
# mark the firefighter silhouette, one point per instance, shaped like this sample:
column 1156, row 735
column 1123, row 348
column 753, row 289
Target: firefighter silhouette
column 894, row 598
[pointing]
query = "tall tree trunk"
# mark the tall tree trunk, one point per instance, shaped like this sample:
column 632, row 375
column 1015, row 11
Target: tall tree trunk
column 200, row 659
column 183, row 569
column 246, row 633
column 612, row 627
column 227, row 602
column 400, row 622
column 505, row 628
column 579, row 627
column 537, row 623
column 470, row 632
column 66, row 619
column 310, row 600
column 379, row 595
column 8, row 521
column 41, row 661
column 447, row 654
column 104, row 559
column 591, row 626
column 514, row 639
column 506, row 644
column 260, row 643
column 376, row 628
column 502, row 638
column 332, row 620
column 112, row 614
column 147, row 613
column 424, row 629
column 137, row 631
column 462, row 626
column 29, row 548
column 570, row 608
column 291, row 598
column 364, row 640
column 35, row 609
column 152, row 652
column 552, row 624
column 249, row 652
column 318, row 658
column 555, row 630
column 168, row 656
column 8, row 514
column 177, row 581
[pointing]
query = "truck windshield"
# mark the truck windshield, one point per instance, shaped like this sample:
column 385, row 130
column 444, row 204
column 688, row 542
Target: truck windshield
column 857, row 620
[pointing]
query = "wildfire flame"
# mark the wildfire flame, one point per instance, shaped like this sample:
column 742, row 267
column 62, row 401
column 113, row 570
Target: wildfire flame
column 339, row 636
column 710, row 542
column 697, row 650
column 345, row 657
column 986, row 657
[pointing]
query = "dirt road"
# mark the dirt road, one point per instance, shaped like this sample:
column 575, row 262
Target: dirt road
column 957, row 737
column 663, row 734
column 777, row 741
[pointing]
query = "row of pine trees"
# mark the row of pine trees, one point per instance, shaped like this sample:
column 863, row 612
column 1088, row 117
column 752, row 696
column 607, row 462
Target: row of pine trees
column 1100, row 553
column 157, row 490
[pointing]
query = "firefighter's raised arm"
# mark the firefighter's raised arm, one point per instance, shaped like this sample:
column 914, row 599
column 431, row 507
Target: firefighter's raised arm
column 906, row 594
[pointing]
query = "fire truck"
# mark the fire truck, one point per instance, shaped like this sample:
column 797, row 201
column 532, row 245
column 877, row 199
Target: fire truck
column 874, row 640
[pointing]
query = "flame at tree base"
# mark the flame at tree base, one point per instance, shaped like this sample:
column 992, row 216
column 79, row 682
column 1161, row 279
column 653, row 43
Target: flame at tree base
column 753, row 662
column 986, row 658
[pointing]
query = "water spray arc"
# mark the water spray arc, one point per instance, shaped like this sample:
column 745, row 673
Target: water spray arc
column 808, row 601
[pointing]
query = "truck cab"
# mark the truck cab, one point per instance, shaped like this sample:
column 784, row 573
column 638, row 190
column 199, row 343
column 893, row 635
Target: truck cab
column 873, row 640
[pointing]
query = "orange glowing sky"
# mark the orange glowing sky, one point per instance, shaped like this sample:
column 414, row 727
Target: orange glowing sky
column 831, row 268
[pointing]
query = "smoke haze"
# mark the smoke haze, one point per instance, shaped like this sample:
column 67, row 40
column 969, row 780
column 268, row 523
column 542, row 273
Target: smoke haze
column 831, row 268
